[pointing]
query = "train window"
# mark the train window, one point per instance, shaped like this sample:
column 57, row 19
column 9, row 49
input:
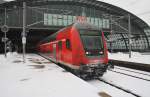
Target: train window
column 92, row 42
column 60, row 45
column 68, row 45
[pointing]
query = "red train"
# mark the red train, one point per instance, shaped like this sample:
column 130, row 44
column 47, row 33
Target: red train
column 80, row 47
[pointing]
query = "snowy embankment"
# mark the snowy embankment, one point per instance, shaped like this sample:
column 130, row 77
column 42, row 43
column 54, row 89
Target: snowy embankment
column 134, row 85
column 135, row 57
column 39, row 78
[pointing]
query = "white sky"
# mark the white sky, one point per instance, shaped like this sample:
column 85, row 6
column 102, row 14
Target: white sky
column 141, row 8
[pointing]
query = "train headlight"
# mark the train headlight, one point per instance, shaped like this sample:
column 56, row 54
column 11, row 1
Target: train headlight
column 87, row 53
column 101, row 52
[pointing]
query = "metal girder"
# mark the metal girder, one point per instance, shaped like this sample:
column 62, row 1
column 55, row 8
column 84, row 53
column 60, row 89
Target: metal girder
column 124, row 40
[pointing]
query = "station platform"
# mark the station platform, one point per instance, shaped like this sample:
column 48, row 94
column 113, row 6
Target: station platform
column 39, row 77
column 136, row 57
column 138, row 61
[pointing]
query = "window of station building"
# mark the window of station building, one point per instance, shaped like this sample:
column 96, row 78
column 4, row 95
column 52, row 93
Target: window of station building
column 68, row 45
column 118, row 45
column 96, row 22
column 60, row 20
column 45, row 19
column 113, row 45
column 88, row 19
column 139, row 44
column 108, row 45
column 145, row 43
column 133, row 43
column 121, row 47
column 92, row 20
column 100, row 22
column 147, row 32
column 74, row 18
column 105, row 23
column 65, row 20
column 123, row 44
column 55, row 19
column 70, row 19
column 149, row 39
column 108, row 24
column 142, row 44
column 50, row 22
column 135, row 46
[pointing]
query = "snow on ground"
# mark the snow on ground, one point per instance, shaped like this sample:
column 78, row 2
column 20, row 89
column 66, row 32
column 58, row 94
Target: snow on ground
column 110, row 90
column 39, row 78
column 135, row 57
column 137, row 86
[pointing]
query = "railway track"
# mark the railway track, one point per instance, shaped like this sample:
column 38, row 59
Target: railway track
column 118, row 87
column 132, row 65
column 132, row 71
column 129, row 75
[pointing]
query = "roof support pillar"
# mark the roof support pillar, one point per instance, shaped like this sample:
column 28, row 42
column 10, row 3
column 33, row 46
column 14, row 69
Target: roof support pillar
column 24, row 32
column 129, row 34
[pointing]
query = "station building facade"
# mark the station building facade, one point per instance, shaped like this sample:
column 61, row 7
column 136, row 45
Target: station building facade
column 44, row 17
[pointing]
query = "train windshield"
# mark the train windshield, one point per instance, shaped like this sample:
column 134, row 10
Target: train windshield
column 92, row 41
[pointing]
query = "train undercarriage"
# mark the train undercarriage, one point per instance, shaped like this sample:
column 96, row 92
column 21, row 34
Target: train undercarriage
column 88, row 72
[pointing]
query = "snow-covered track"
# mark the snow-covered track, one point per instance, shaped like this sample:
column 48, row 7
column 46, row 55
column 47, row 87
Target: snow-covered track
column 129, row 75
column 132, row 71
column 133, row 65
column 118, row 87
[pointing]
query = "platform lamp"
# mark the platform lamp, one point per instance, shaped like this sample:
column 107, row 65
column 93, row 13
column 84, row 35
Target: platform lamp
column 5, row 28
column 24, row 31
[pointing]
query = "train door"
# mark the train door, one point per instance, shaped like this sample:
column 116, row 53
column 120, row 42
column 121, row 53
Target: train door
column 54, row 52
column 59, row 50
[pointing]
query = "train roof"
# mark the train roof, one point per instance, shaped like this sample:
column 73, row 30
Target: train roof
column 78, row 25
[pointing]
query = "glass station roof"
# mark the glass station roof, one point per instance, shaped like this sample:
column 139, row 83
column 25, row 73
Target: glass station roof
column 140, row 8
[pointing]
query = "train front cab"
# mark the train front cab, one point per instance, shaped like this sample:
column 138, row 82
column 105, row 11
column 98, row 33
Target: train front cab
column 80, row 47
column 90, row 51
